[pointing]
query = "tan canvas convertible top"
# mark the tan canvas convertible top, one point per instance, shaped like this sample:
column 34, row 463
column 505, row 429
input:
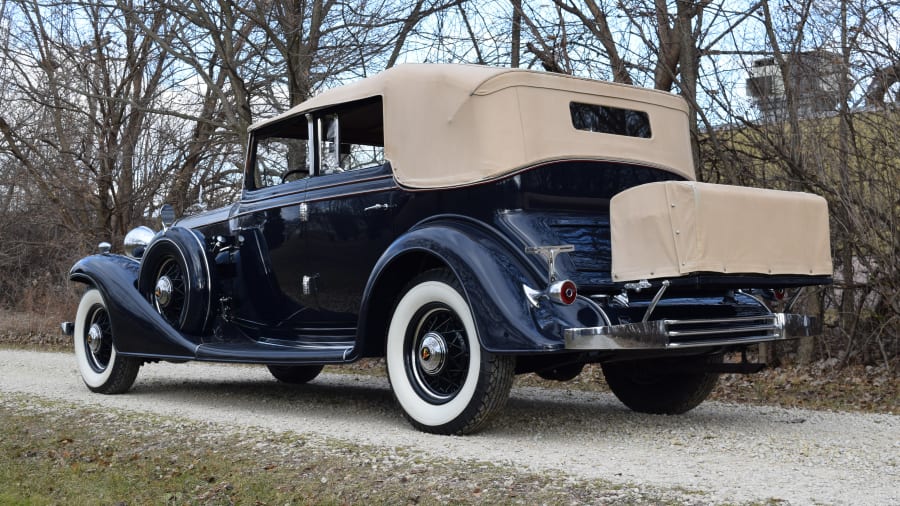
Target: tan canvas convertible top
column 452, row 125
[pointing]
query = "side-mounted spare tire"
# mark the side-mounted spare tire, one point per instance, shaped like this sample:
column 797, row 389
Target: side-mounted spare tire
column 175, row 278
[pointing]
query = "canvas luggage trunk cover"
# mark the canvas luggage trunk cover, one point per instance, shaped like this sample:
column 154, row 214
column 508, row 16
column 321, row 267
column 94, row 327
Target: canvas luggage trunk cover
column 676, row 228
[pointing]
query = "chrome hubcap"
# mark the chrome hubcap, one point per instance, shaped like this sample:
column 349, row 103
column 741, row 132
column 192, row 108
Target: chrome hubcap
column 437, row 355
column 432, row 353
column 95, row 338
column 163, row 291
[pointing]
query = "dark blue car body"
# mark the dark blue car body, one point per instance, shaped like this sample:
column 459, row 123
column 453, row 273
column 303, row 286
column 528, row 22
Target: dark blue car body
column 310, row 271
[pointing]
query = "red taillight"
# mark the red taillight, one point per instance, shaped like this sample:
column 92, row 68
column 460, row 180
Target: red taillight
column 563, row 292
column 569, row 292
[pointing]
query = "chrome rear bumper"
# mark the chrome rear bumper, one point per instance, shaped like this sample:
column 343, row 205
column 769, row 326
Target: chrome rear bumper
column 672, row 334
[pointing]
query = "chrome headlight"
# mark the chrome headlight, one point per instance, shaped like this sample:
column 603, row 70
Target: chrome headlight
column 137, row 239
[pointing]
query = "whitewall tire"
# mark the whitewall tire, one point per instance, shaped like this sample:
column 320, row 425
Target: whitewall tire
column 102, row 369
column 443, row 380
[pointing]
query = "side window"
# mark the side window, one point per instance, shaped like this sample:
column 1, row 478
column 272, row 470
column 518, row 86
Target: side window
column 282, row 156
column 351, row 137
column 329, row 144
column 360, row 156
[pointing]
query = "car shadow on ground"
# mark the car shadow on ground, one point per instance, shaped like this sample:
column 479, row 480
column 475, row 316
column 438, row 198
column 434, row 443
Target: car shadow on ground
column 336, row 396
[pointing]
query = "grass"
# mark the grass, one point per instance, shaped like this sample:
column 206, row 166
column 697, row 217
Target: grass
column 822, row 385
column 32, row 330
column 53, row 453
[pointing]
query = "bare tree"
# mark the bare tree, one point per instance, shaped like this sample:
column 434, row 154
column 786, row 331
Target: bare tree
column 826, row 56
column 80, row 138
column 84, row 97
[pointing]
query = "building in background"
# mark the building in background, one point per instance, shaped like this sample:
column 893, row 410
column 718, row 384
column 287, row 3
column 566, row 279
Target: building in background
column 814, row 78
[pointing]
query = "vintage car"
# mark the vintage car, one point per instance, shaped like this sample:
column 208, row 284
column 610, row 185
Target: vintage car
column 467, row 224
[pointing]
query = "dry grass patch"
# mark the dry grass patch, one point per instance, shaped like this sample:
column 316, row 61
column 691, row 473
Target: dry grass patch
column 52, row 453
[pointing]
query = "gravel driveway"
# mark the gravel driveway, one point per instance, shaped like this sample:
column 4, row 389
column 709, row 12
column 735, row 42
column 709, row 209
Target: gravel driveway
column 727, row 452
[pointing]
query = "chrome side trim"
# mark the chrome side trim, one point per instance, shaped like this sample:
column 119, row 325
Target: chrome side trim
column 279, row 204
column 671, row 334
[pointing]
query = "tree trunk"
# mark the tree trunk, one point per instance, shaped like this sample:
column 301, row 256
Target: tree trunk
column 516, row 33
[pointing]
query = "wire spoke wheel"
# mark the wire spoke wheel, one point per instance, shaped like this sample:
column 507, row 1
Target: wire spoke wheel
column 170, row 292
column 438, row 353
column 98, row 339
column 441, row 377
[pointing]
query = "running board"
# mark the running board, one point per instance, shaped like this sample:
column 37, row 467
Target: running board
column 257, row 353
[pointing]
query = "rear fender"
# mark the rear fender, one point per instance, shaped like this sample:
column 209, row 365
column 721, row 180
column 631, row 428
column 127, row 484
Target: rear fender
column 492, row 272
column 137, row 328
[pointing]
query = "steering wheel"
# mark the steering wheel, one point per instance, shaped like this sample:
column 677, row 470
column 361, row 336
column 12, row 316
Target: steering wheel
column 291, row 172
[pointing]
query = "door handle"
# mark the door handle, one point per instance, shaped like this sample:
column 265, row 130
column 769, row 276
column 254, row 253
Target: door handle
column 380, row 207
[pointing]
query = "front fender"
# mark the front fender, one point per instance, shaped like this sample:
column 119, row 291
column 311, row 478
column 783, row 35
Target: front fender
column 137, row 328
column 492, row 272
